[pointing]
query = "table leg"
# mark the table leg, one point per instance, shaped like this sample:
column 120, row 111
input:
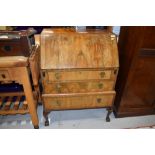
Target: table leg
column 29, row 97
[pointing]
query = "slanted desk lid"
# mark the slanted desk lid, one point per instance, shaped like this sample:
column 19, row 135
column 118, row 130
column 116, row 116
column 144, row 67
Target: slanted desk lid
column 66, row 49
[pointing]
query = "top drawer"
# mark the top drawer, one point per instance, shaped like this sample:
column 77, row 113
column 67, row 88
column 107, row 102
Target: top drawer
column 54, row 76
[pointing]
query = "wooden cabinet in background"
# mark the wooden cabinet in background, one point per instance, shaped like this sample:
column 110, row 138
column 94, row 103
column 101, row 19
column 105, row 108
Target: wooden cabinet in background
column 135, row 85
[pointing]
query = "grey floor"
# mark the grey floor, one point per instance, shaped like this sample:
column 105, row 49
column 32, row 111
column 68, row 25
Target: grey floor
column 76, row 119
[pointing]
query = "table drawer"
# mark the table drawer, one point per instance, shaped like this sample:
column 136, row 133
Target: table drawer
column 4, row 75
column 77, row 75
column 78, row 101
column 78, row 87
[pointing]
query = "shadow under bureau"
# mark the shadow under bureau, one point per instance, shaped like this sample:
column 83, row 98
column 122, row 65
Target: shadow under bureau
column 78, row 70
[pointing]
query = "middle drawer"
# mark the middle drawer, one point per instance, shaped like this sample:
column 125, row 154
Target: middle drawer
column 77, row 87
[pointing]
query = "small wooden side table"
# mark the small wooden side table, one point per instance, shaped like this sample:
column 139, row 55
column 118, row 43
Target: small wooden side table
column 17, row 69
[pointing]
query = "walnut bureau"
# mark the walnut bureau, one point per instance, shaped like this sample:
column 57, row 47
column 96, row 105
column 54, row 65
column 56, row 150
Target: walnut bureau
column 78, row 70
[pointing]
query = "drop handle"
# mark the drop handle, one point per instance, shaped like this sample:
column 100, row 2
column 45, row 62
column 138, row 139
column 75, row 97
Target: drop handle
column 58, row 103
column 99, row 100
column 100, row 85
column 57, row 76
column 102, row 74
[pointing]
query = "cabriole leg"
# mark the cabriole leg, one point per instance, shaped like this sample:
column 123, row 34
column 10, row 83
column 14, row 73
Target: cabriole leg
column 108, row 114
column 45, row 113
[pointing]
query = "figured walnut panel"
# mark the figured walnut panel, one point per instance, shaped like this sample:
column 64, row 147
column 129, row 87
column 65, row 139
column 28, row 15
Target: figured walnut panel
column 61, row 50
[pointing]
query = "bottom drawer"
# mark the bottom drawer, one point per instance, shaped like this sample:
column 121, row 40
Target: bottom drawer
column 78, row 101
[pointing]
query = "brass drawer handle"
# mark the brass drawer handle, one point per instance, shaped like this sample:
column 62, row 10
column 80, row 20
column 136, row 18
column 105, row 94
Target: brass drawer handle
column 58, row 103
column 57, row 76
column 102, row 74
column 100, row 85
column 99, row 100
column 58, row 87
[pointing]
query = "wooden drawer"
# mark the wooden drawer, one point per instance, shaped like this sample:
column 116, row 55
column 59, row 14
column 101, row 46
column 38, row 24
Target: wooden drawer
column 78, row 87
column 4, row 75
column 77, row 75
column 78, row 101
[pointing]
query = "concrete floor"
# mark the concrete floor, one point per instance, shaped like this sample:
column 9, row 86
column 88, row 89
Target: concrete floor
column 76, row 119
